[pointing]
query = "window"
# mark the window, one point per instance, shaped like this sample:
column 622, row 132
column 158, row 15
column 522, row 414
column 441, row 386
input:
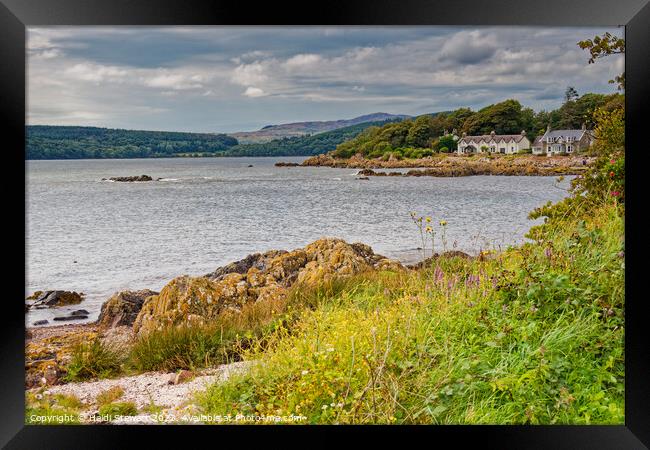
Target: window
column 569, row 148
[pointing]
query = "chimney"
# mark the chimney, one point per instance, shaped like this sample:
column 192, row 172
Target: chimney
column 523, row 132
column 548, row 127
column 464, row 134
column 492, row 133
column 444, row 133
column 584, row 126
column 453, row 131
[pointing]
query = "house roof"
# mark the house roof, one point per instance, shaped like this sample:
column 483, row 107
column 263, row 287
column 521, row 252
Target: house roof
column 494, row 137
column 576, row 134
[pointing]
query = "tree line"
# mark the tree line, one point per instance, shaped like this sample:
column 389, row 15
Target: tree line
column 70, row 142
column 428, row 134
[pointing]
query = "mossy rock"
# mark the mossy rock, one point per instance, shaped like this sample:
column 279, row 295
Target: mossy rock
column 266, row 280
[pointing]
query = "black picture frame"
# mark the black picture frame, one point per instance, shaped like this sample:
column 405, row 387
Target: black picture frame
column 15, row 15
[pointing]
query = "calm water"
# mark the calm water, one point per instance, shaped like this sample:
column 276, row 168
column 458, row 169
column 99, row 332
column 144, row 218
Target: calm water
column 101, row 237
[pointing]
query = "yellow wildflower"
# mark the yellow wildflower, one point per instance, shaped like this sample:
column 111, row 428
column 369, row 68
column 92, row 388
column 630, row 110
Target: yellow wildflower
column 443, row 222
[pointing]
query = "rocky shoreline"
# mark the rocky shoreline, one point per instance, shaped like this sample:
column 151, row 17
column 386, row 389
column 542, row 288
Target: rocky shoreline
column 452, row 165
column 261, row 280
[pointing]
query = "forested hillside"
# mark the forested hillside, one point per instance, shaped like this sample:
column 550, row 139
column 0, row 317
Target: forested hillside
column 425, row 134
column 302, row 145
column 62, row 142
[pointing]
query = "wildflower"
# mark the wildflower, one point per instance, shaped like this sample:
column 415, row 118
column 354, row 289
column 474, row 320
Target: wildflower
column 428, row 219
column 443, row 223
column 548, row 252
column 613, row 161
column 305, row 372
column 621, row 254
column 428, row 229
column 611, row 174
column 615, row 193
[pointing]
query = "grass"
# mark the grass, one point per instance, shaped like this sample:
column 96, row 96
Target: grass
column 218, row 342
column 534, row 336
column 109, row 395
column 93, row 360
column 115, row 410
column 59, row 409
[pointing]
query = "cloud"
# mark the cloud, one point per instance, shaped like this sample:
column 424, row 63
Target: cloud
column 469, row 47
column 254, row 92
column 202, row 78
column 303, row 61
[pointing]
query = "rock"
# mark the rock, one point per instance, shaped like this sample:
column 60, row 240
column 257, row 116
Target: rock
column 286, row 164
column 181, row 377
column 68, row 318
column 79, row 312
column 363, row 178
column 257, row 279
column 250, row 165
column 123, row 307
column 51, row 299
column 131, row 178
column 41, row 322
column 47, row 354
column 257, row 260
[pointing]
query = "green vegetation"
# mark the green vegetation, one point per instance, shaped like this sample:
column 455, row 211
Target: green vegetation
column 54, row 142
column 533, row 335
column 93, row 360
column 425, row 135
column 301, row 145
column 113, row 410
column 59, row 409
column 109, row 395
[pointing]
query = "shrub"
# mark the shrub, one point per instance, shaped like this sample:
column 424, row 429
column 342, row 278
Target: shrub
column 114, row 410
column 93, row 360
column 525, row 151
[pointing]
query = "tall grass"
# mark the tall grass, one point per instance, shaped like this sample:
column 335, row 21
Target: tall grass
column 93, row 359
column 533, row 336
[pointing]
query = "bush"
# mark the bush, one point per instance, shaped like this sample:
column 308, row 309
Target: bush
column 93, row 360
column 525, row 151
column 443, row 150
column 114, row 410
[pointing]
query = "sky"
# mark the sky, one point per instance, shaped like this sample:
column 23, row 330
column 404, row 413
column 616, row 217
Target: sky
column 227, row 79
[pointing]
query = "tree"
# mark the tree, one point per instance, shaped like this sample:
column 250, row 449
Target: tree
column 570, row 94
column 605, row 45
column 447, row 142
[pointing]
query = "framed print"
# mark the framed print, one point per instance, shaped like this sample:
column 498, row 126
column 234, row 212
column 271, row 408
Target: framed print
column 417, row 217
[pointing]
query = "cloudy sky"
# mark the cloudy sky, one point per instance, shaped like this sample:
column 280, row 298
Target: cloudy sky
column 226, row 79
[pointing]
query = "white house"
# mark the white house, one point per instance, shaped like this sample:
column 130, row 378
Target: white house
column 493, row 143
column 553, row 142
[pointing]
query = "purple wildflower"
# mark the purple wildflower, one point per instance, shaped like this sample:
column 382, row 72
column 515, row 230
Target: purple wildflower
column 548, row 252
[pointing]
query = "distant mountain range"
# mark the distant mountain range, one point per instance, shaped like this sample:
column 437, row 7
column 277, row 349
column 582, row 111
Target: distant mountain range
column 271, row 132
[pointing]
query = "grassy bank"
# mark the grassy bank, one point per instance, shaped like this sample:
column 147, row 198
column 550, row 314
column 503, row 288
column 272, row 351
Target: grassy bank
column 532, row 336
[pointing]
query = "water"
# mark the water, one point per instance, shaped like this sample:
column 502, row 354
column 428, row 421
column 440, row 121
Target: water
column 100, row 237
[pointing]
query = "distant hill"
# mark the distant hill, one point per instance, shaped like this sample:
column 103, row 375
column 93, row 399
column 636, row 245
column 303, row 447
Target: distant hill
column 271, row 132
column 307, row 145
column 69, row 142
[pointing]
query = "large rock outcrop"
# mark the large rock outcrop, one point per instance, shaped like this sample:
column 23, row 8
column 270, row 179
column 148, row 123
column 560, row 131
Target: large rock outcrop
column 123, row 308
column 261, row 277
